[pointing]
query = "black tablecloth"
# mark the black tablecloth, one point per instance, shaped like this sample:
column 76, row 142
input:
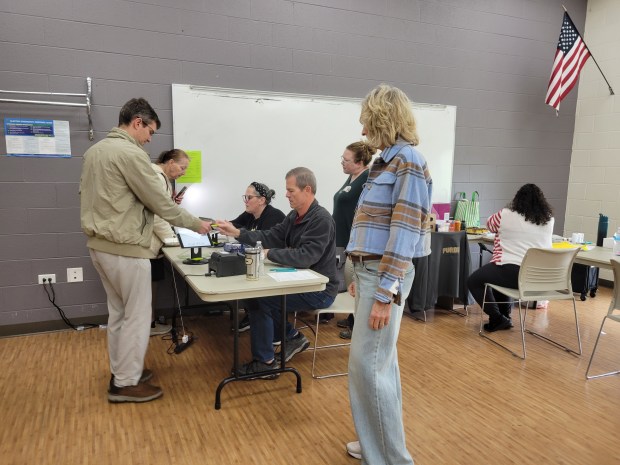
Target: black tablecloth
column 443, row 273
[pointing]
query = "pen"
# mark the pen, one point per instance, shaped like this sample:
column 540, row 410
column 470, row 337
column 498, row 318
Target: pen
column 281, row 270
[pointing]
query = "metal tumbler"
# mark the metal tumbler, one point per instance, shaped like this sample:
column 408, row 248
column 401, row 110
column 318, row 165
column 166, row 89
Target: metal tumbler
column 252, row 262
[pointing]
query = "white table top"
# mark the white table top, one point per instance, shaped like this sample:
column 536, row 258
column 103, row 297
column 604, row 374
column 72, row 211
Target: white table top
column 212, row 289
column 598, row 256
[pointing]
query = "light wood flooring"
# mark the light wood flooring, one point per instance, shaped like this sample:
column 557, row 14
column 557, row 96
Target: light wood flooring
column 465, row 400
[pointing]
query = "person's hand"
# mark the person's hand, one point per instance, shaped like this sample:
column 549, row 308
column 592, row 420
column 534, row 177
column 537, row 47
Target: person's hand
column 227, row 228
column 379, row 315
column 266, row 251
column 205, row 227
column 179, row 198
column 351, row 289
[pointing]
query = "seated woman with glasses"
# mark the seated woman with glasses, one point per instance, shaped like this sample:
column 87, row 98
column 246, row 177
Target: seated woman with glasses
column 259, row 214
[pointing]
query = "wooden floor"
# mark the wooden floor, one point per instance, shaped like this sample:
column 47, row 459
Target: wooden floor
column 465, row 400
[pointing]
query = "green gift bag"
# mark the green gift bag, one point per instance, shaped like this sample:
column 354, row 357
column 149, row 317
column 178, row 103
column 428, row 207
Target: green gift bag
column 468, row 210
column 458, row 197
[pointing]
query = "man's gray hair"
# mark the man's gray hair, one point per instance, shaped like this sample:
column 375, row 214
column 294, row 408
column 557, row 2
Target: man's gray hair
column 303, row 177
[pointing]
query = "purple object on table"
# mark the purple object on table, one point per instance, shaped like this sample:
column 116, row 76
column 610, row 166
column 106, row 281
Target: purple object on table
column 440, row 209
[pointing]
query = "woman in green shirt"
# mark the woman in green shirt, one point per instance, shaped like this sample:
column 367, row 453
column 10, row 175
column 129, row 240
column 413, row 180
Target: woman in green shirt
column 355, row 160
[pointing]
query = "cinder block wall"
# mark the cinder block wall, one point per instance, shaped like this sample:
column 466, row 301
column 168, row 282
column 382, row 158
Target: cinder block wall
column 491, row 59
column 594, row 183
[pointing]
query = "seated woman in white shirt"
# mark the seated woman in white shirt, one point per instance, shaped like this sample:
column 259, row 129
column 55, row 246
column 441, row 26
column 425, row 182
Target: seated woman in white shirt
column 526, row 222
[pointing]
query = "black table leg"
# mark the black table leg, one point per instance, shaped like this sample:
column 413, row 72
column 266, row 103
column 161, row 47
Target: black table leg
column 483, row 248
column 283, row 368
column 236, row 376
column 176, row 310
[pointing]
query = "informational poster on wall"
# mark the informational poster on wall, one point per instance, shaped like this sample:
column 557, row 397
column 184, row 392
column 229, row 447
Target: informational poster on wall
column 193, row 174
column 37, row 138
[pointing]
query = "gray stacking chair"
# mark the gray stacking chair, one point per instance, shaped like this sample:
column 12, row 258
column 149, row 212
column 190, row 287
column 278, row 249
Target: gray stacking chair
column 343, row 305
column 544, row 275
column 613, row 307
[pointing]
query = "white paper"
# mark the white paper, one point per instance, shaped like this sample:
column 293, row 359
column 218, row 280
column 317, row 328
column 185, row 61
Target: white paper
column 299, row 275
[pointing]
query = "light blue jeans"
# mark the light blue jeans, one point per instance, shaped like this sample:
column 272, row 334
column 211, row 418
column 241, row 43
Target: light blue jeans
column 374, row 376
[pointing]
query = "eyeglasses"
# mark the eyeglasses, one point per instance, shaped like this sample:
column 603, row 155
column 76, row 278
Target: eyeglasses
column 151, row 130
column 246, row 198
column 344, row 160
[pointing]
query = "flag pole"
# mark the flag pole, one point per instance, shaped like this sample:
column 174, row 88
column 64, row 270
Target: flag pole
column 611, row 91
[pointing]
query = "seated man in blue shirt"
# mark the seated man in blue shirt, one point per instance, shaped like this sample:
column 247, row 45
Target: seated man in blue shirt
column 305, row 239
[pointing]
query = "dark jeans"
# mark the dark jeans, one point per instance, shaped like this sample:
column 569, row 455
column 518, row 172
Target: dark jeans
column 265, row 318
column 501, row 275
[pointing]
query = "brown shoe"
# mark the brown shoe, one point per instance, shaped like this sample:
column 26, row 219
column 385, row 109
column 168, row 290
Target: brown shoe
column 141, row 392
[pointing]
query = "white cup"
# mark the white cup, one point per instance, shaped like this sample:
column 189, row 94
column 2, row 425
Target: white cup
column 577, row 238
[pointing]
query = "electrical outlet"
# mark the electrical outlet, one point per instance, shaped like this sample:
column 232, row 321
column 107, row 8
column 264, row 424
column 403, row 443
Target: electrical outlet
column 49, row 278
column 74, row 275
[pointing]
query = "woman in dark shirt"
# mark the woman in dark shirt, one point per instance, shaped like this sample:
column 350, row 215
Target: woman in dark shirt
column 258, row 215
column 355, row 160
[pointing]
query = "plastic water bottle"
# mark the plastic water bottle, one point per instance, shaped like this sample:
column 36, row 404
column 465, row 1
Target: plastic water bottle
column 261, row 259
column 617, row 242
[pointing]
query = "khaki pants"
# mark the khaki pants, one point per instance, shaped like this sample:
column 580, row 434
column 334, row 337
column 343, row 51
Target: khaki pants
column 127, row 282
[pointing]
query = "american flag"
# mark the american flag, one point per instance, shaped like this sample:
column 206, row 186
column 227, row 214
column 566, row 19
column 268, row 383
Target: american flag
column 570, row 57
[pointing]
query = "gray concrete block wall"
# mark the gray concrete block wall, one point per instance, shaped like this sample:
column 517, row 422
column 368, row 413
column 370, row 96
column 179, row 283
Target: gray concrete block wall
column 491, row 59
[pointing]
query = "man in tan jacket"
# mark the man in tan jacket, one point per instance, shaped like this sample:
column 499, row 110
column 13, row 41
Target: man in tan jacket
column 120, row 193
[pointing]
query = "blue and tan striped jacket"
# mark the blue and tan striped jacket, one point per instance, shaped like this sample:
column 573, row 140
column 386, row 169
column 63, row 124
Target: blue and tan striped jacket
column 393, row 213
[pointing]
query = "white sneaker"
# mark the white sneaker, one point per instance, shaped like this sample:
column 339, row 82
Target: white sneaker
column 158, row 329
column 354, row 449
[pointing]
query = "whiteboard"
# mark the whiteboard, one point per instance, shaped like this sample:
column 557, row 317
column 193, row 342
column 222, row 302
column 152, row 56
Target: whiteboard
column 247, row 136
